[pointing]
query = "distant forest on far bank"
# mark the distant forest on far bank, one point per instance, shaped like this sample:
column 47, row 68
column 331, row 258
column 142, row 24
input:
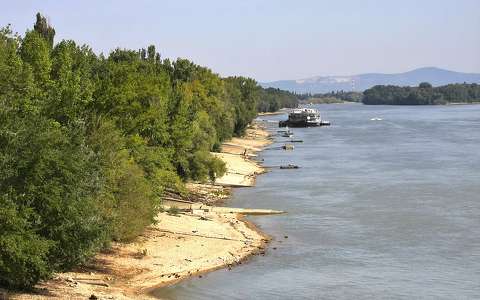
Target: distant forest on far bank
column 331, row 97
column 424, row 94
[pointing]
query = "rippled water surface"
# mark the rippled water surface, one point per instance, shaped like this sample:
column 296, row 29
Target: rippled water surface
column 384, row 209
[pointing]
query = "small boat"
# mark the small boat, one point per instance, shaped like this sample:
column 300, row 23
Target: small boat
column 289, row 166
column 288, row 147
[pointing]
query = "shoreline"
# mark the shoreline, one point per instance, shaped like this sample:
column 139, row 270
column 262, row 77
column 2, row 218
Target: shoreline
column 177, row 247
column 259, row 249
column 274, row 113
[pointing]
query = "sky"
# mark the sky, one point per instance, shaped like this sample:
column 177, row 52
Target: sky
column 273, row 39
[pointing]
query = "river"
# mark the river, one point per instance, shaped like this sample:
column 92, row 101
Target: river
column 380, row 209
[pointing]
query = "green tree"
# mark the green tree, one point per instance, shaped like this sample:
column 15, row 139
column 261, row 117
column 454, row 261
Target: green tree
column 35, row 52
column 425, row 85
column 44, row 29
column 89, row 144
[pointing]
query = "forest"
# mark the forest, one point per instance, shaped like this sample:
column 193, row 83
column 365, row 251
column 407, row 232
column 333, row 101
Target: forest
column 271, row 100
column 424, row 94
column 331, row 97
column 89, row 143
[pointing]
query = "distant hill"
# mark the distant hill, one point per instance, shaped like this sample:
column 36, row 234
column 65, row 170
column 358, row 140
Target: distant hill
column 324, row 84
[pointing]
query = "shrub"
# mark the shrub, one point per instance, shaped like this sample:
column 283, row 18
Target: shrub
column 134, row 204
column 23, row 254
column 206, row 166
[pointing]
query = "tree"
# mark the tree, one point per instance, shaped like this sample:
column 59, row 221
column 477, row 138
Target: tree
column 151, row 53
column 89, row 144
column 44, row 29
column 35, row 52
column 425, row 85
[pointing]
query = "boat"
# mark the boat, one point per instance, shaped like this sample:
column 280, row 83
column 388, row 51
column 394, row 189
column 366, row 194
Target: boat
column 289, row 166
column 304, row 117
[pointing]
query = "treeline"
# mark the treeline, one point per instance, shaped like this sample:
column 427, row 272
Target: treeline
column 89, row 143
column 272, row 99
column 331, row 97
column 424, row 94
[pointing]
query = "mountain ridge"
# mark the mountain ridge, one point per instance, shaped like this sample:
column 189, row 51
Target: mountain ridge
column 360, row 82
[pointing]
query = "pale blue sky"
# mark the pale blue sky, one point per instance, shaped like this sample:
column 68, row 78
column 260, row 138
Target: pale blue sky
column 271, row 40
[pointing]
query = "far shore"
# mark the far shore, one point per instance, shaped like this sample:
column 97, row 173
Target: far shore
column 462, row 103
column 199, row 239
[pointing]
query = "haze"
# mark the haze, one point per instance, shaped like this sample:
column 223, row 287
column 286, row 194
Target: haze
column 271, row 40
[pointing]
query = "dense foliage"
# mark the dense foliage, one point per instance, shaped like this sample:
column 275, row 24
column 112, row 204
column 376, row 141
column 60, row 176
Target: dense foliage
column 272, row 99
column 424, row 94
column 89, row 143
column 332, row 97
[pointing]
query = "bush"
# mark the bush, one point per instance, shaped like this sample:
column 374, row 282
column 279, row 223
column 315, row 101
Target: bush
column 134, row 206
column 23, row 254
column 206, row 166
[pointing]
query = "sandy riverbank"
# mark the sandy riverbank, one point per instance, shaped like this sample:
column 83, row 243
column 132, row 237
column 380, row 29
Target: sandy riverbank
column 237, row 153
column 279, row 112
column 177, row 247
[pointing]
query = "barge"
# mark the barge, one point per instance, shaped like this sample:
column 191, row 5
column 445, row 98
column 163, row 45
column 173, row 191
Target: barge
column 304, row 117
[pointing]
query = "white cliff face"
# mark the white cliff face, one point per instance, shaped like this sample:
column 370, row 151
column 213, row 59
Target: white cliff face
column 341, row 79
column 324, row 84
column 325, row 79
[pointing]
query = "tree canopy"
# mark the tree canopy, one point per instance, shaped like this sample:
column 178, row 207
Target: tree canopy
column 272, row 99
column 89, row 143
column 331, row 97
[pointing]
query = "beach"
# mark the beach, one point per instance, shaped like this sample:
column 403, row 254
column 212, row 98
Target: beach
column 198, row 239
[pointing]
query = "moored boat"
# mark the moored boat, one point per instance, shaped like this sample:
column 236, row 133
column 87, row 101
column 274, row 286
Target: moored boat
column 304, row 117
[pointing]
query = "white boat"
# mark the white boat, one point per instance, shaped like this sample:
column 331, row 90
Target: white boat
column 304, row 117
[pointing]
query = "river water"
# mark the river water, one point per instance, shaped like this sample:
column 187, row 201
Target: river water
column 386, row 209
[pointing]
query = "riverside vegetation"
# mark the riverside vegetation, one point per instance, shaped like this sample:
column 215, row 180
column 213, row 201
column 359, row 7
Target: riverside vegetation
column 424, row 94
column 332, row 97
column 89, row 143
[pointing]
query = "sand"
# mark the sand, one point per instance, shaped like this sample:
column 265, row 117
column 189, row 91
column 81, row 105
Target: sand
column 176, row 247
column 240, row 171
column 237, row 153
column 279, row 112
